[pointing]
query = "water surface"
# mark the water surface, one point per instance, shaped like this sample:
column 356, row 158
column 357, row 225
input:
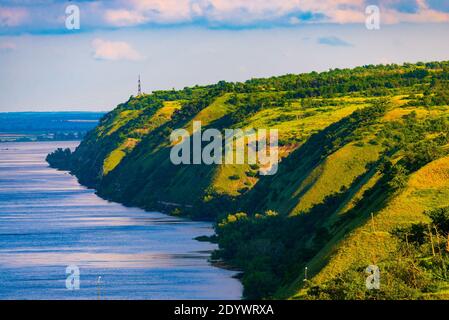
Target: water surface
column 49, row 221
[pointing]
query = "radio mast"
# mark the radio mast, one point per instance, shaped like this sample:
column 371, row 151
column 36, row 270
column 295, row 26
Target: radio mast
column 139, row 87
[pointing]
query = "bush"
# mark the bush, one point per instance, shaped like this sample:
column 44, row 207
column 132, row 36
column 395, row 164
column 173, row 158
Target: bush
column 60, row 159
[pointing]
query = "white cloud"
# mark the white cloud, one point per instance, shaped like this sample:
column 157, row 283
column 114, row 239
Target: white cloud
column 424, row 14
column 114, row 50
column 164, row 10
column 216, row 13
column 123, row 17
column 12, row 17
column 241, row 12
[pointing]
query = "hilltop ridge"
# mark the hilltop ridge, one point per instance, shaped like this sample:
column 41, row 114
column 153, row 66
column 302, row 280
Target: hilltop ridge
column 364, row 156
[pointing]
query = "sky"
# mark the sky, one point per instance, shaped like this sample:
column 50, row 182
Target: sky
column 45, row 66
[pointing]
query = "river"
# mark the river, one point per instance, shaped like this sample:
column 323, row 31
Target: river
column 48, row 221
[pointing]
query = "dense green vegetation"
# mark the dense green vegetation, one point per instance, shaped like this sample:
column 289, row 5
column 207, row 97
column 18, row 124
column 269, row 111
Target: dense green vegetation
column 418, row 270
column 60, row 158
column 364, row 160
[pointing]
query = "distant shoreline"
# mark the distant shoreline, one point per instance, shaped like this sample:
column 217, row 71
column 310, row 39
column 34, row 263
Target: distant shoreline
column 46, row 126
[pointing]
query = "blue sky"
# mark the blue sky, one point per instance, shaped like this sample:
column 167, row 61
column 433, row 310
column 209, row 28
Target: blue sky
column 177, row 43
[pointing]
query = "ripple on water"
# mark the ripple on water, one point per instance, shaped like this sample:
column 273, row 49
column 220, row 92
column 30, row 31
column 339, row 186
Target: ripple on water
column 48, row 221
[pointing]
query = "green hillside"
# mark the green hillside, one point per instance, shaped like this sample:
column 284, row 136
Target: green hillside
column 363, row 178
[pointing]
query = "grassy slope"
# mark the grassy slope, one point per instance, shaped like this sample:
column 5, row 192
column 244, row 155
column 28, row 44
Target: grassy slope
column 130, row 163
column 370, row 243
column 189, row 184
column 337, row 171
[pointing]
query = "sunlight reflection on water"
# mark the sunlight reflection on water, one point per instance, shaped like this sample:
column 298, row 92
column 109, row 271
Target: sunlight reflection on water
column 48, row 221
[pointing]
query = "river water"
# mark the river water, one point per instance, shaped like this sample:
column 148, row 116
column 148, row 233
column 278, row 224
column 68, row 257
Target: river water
column 48, row 221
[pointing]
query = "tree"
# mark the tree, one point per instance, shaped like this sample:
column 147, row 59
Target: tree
column 60, row 159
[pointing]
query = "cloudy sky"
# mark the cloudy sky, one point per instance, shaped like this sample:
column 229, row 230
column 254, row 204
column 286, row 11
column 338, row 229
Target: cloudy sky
column 177, row 43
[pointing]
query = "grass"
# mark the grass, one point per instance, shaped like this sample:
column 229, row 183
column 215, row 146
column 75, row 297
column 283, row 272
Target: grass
column 304, row 121
column 225, row 183
column 113, row 160
column 213, row 112
column 356, row 243
column 122, row 118
column 160, row 117
column 138, row 170
column 337, row 171
column 302, row 126
column 362, row 245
